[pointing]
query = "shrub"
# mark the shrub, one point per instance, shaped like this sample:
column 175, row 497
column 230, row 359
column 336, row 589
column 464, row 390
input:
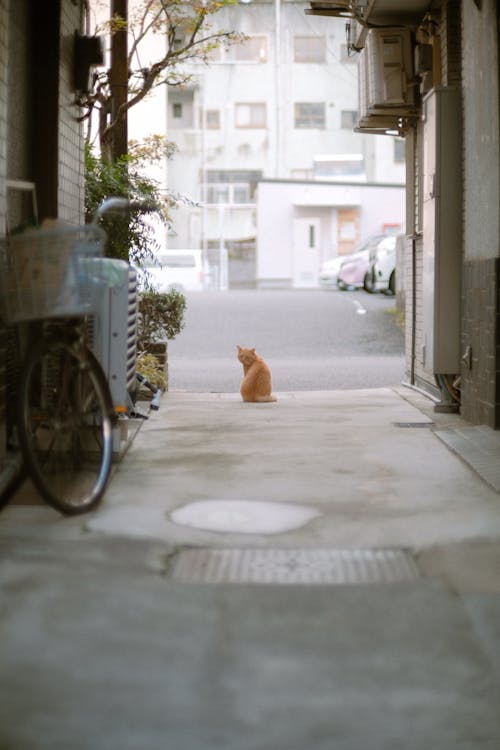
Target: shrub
column 130, row 236
column 150, row 367
column 161, row 317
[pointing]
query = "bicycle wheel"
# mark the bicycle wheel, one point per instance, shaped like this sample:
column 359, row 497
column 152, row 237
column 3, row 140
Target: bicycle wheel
column 65, row 425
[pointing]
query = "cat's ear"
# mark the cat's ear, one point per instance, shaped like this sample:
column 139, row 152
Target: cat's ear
column 238, row 347
column 253, row 350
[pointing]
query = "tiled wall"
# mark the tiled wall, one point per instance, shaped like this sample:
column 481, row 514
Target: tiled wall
column 70, row 187
column 3, row 202
column 481, row 268
column 481, row 341
column 3, row 110
column 70, row 177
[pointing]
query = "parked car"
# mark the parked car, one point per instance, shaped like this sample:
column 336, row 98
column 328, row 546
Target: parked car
column 329, row 270
column 177, row 269
column 383, row 265
column 354, row 272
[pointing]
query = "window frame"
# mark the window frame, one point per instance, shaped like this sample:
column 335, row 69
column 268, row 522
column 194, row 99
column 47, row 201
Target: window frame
column 215, row 124
column 399, row 153
column 251, row 126
column 309, row 120
column 231, row 55
column 353, row 119
column 304, row 57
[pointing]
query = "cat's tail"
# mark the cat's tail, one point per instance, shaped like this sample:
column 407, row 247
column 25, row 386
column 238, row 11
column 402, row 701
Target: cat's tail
column 265, row 399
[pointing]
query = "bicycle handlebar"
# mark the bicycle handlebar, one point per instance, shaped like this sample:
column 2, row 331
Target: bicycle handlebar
column 110, row 204
column 120, row 205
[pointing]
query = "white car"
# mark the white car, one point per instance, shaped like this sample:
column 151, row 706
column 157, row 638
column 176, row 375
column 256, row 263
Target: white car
column 329, row 272
column 176, row 269
column 383, row 265
column 330, row 269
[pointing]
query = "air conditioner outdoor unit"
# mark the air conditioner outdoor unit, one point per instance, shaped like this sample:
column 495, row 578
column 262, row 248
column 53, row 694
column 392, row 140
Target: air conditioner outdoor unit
column 113, row 331
column 369, row 122
column 340, row 8
column 388, row 71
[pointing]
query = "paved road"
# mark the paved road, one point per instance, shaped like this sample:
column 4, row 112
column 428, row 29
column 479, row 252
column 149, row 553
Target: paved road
column 312, row 340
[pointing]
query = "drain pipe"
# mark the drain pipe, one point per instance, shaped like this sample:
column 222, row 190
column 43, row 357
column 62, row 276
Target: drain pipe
column 413, row 305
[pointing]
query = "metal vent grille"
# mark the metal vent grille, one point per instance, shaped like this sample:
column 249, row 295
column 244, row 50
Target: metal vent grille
column 112, row 331
column 132, row 328
column 10, row 371
column 293, row 566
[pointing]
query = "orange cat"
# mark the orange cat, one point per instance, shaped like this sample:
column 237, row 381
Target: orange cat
column 256, row 383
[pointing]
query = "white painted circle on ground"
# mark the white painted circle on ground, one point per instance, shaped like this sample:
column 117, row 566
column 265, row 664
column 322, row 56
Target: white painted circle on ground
column 244, row 516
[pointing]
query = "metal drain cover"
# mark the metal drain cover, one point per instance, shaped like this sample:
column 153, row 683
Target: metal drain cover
column 302, row 566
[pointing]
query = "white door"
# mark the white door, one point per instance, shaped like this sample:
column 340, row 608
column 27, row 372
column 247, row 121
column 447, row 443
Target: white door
column 305, row 252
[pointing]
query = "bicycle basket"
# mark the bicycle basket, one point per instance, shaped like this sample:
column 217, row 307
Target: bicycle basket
column 49, row 273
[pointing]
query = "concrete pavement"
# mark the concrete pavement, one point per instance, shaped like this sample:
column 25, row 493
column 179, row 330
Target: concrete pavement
column 358, row 596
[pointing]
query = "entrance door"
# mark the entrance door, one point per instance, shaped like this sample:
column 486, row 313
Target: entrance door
column 347, row 230
column 305, row 258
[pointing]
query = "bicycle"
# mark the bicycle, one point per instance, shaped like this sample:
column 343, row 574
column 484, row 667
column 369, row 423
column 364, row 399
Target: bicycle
column 65, row 412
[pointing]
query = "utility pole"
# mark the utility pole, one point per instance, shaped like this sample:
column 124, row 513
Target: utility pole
column 277, row 89
column 119, row 79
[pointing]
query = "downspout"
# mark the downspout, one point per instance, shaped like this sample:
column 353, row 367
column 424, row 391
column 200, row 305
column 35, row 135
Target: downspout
column 413, row 306
column 277, row 85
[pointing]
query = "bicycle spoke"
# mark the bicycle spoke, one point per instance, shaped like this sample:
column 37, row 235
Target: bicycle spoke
column 66, row 425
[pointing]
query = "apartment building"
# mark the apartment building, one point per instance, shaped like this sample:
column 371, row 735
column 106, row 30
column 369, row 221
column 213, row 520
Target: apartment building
column 282, row 105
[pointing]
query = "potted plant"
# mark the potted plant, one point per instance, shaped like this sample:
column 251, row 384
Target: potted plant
column 160, row 319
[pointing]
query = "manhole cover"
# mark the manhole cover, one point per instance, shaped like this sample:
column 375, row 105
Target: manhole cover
column 306, row 566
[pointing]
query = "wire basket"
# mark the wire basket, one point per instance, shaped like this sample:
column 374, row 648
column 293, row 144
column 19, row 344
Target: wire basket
column 51, row 273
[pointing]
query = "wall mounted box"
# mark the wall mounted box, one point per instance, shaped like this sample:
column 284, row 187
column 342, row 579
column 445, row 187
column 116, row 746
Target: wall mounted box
column 442, row 231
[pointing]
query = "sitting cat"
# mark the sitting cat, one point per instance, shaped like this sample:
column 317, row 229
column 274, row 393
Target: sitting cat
column 256, row 383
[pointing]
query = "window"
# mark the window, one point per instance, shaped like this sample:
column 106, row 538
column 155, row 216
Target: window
column 309, row 49
column 301, row 174
column 241, row 194
column 217, row 194
column 177, row 109
column 399, row 149
column 252, row 49
column 312, row 236
column 231, row 185
column 339, row 166
column 310, row 115
column 348, row 119
column 251, row 115
column 179, row 41
column 233, row 175
column 212, row 119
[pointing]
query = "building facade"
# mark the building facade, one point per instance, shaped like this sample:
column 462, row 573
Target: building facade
column 300, row 224
column 280, row 106
column 439, row 88
column 41, row 150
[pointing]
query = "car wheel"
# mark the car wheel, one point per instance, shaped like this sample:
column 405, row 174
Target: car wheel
column 392, row 283
column 368, row 284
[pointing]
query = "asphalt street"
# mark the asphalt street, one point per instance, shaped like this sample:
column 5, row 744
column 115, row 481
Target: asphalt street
column 312, row 340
